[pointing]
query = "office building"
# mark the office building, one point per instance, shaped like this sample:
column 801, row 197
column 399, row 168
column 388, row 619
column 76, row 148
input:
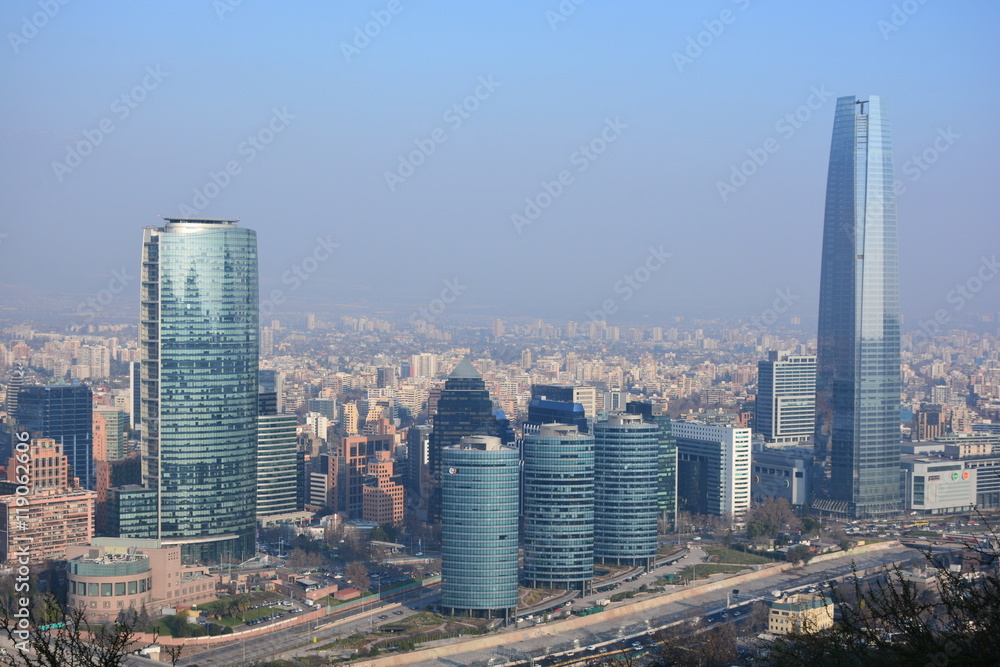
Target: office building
column 272, row 381
column 65, row 414
column 558, row 508
column 800, row 614
column 782, row 473
column 134, row 394
column 353, row 454
column 382, row 494
column 120, row 472
column 464, row 409
column 479, row 536
column 626, row 463
column 54, row 514
column 418, row 477
column 544, row 411
column 108, row 576
column 109, row 438
column 276, row 466
column 586, row 396
column 324, row 406
column 713, row 469
column 858, row 358
column 933, row 485
column 666, row 473
column 198, row 337
column 786, row 398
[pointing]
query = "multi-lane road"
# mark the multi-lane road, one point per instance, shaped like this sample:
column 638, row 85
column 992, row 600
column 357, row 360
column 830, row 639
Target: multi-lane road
column 616, row 634
column 622, row 632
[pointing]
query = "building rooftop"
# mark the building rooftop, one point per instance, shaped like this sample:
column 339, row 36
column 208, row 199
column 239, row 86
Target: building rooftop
column 465, row 369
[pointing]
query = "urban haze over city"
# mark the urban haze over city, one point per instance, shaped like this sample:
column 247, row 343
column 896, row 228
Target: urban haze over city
column 555, row 333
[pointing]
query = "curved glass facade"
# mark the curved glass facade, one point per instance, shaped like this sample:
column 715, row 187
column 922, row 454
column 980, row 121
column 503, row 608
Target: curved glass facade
column 858, row 359
column 479, row 521
column 558, row 508
column 626, row 467
column 198, row 337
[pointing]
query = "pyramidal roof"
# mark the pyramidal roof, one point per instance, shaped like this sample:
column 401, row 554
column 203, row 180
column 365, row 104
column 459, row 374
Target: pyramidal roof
column 465, row 369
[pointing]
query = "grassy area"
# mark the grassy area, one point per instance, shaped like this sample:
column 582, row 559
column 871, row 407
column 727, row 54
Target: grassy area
column 532, row 596
column 705, row 570
column 255, row 597
column 726, row 555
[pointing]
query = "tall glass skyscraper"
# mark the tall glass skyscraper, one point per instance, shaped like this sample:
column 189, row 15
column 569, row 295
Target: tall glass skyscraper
column 198, row 339
column 626, row 467
column 857, row 374
column 63, row 412
column 464, row 409
column 559, row 508
column 480, row 492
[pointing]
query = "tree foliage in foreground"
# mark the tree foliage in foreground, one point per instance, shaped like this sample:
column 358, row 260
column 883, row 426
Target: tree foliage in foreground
column 74, row 644
column 955, row 621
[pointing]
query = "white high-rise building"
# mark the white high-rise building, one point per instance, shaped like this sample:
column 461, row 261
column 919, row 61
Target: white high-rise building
column 713, row 469
column 786, row 398
column 424, row 364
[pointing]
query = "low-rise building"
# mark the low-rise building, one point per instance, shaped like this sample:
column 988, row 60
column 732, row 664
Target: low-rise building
column 109, row 576
column 800, row 614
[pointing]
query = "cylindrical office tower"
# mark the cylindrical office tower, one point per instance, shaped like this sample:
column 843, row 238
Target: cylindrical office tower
column 559, row 508
column 479, row 506
column 626, row 453
column 198, row 338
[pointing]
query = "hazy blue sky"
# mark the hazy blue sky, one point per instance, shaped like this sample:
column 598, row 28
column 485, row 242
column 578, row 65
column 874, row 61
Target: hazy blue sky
column 201, row 78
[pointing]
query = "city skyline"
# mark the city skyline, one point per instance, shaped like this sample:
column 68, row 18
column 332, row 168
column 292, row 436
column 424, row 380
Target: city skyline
column 703, row 137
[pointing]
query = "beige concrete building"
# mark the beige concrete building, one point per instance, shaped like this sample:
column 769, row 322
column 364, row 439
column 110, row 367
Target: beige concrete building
column 109, row 575
column 800, row 614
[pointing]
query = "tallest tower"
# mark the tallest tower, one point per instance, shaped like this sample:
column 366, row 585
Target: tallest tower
column 198, row 340
column 857, row 374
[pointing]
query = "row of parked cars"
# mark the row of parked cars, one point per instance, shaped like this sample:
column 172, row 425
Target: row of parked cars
column 265, row 619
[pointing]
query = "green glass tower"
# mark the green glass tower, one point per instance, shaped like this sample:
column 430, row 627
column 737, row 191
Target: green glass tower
column 480, row 493
column 558, row 508
column 198, row 340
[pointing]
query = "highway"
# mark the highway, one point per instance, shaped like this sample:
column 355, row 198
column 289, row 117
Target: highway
column 549, row 650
